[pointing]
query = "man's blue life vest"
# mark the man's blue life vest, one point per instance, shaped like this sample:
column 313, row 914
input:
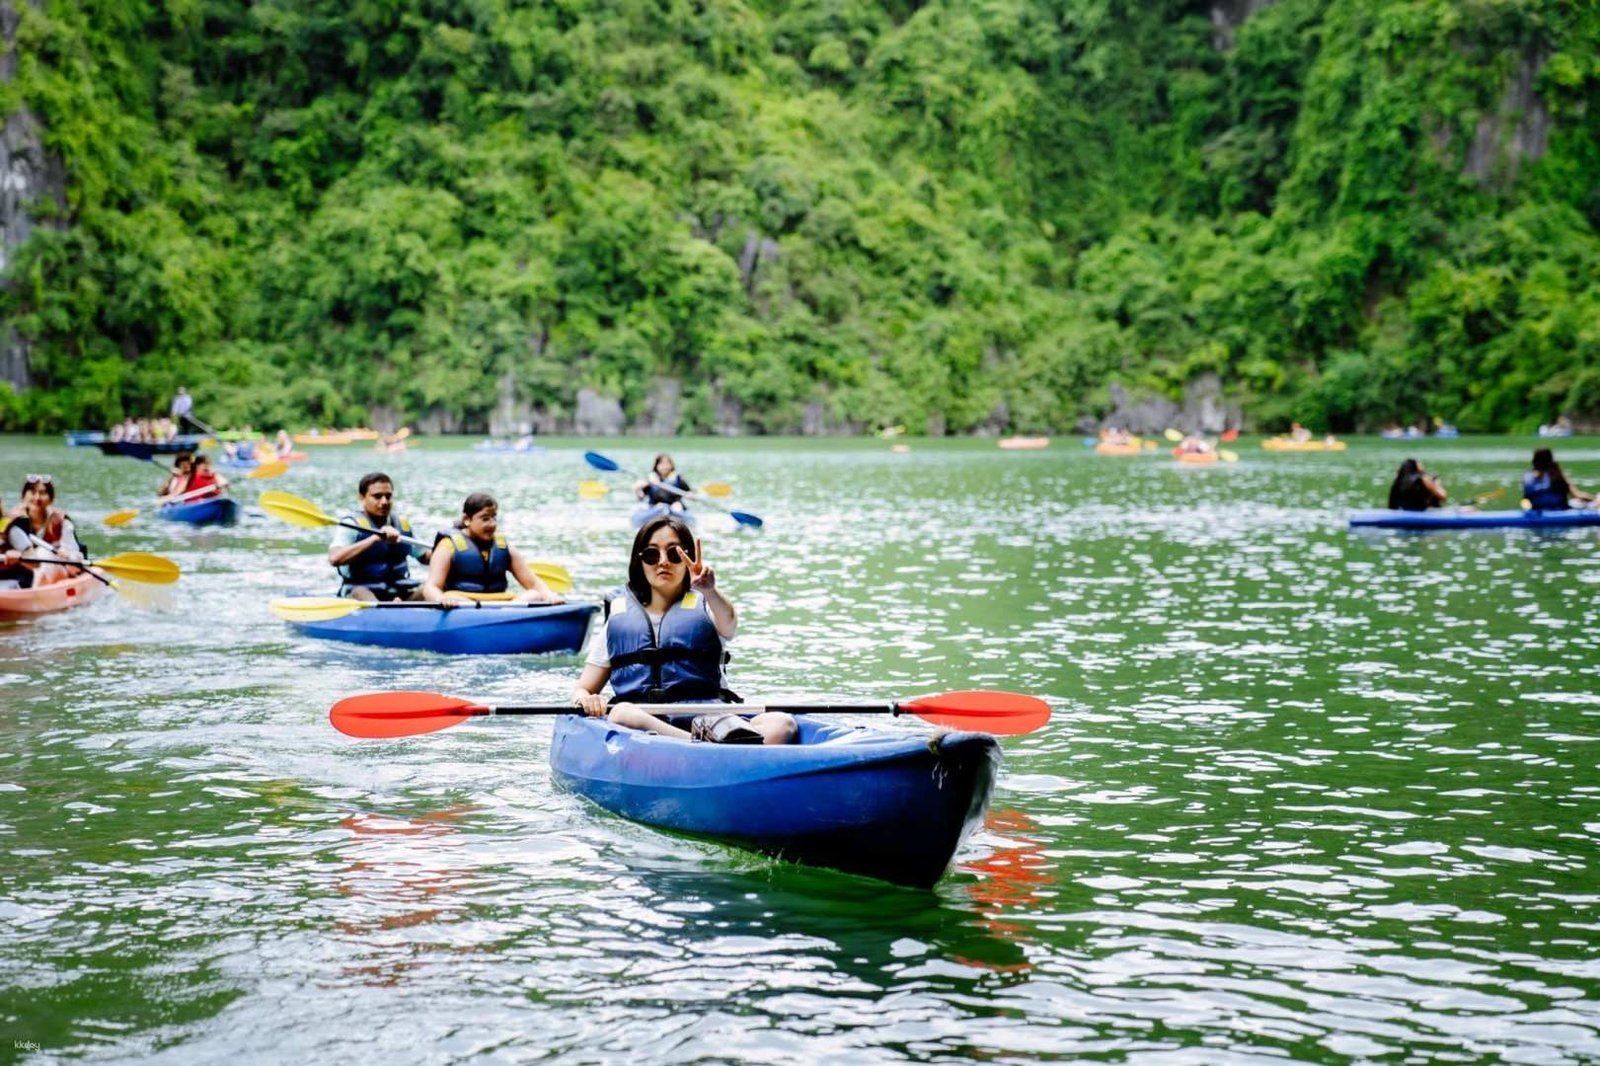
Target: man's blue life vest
column 382, row 564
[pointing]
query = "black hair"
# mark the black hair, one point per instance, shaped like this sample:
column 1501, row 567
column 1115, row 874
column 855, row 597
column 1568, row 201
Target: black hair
column 369, row 480
column 1544, row 461
column 1409, row 472
column 473, row 504
column 638, row 584
column 49, row 485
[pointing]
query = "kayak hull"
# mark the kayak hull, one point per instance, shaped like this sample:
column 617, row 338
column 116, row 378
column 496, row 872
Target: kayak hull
column 645, row 514
column 891, row 806
column 1107, row 448
column 507, row 630
column 1452, row 519
column 16, row 604
column 1196, row 458
column 216, row 511
column 144, row 450
column 1280, row 444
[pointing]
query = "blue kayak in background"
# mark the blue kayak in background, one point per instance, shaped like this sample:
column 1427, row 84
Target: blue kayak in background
column 143, row 450
column 889, row 805
column 658, row 510
column 1450, row 518
column 216, row 511
column 492, row 629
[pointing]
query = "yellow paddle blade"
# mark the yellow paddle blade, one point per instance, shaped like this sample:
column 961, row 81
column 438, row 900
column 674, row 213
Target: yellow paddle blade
column 592, row 490
column 717, row 488
column 553, row 574
column 266, row 470
column 316, row 608
column 141, row 566
column 402, row 434
column 1228, row 456
column 1173, row 435
column 287, row 507
column 120, row 518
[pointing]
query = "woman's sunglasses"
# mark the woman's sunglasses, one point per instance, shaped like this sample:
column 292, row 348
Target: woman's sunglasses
column 36, row 479
column 652, row 555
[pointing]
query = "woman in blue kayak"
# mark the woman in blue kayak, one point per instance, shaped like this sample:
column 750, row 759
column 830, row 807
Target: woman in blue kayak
column 663, row 639
column 1414, row 489
column 665, row 485
column 1546, row 488
column 474, row 557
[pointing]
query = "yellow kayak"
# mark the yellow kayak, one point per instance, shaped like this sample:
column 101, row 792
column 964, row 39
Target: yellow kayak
column 1284, row 444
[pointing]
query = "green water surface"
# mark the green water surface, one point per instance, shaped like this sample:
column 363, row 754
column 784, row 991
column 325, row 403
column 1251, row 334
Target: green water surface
column 1307, row 793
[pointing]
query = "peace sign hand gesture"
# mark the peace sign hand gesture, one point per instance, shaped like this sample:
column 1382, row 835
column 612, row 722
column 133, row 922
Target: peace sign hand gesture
column 701, row 576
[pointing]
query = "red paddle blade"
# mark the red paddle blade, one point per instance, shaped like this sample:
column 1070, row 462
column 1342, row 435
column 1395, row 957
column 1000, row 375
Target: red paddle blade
column 385, row 715
column 1006, row 714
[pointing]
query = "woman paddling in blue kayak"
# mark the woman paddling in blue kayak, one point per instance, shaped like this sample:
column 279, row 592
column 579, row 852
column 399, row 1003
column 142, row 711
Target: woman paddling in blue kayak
column 665, row 486
column 1546, row 488
column 476, row 558
column 1414, row 489
column 662, row 641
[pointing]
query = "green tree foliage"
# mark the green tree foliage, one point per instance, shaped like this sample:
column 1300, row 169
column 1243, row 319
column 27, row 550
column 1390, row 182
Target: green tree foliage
column 961, row 216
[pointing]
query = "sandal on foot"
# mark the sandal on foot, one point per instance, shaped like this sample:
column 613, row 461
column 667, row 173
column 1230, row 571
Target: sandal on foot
column 724, row 729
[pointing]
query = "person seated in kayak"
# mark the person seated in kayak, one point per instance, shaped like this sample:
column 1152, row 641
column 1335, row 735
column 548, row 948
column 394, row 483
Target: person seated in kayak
column 1194, row 444
column 665, row 485
column 38, row 528
column 662, row 640
column 204, row 483
column 282, row 444
column 1414, row 489
column 475, row 557
column 373, row 559
column 1546, row 488
column 178, row 481
column 1298, row 434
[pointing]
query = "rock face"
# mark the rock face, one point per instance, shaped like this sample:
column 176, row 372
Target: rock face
column 1205, row 409
column 662, row 410
column 1228, row 15
column 27, row 175
column 598, row 416
column 1519, row 129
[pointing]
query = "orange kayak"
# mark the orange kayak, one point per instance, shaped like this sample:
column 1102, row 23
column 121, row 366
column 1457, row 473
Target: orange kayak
column 44, row 599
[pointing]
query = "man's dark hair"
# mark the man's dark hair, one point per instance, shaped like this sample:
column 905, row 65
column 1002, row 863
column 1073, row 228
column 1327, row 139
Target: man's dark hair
column 368, row 480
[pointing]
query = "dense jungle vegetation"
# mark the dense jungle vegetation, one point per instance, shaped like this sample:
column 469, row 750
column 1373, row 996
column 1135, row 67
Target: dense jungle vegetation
column 971, row 215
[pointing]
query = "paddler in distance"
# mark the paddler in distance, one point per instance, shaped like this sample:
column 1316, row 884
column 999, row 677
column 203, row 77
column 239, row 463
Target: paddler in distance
column 663, row 639
column 475, row 557
column 373, row 560
column 665, row 486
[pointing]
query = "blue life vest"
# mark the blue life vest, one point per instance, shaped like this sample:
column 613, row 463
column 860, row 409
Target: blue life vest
column 1541, row 495
column 654, row 493
column 683, row 663
column 383, row 564
column 474, row 570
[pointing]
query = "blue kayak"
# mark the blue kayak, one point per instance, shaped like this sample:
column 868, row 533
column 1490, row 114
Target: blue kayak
column 493, row 629
column 657, row 510
column 1453, row 519
column 216, row 511
column 894, row 806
